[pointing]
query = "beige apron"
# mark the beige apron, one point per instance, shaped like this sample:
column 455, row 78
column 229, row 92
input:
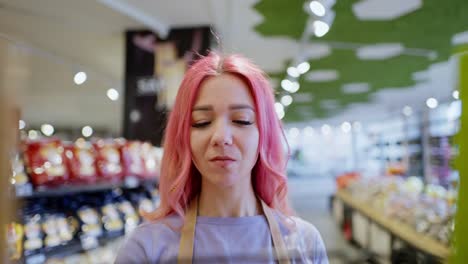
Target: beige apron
column 188, row 234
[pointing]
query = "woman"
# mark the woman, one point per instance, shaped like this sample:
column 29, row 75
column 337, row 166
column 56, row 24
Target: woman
column 223, row 188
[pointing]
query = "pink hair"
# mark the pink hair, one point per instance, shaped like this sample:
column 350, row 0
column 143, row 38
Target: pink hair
column 180, row 181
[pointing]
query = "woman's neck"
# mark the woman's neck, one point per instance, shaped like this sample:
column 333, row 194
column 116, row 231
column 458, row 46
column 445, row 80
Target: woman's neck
column 233, row 201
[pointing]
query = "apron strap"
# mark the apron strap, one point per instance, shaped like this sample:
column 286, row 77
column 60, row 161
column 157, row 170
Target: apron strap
column 187, row 235
column 278, row 243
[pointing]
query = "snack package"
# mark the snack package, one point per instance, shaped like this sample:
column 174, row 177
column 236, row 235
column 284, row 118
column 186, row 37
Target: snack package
column 109, row 160
column 131, row 217
column 50, row 228
column 134, row 165
column 15, row 233
column 32, row 233
column 152, row 159
column 45, row 160
column 81, row 161
column 91, row 225
column 111, row 218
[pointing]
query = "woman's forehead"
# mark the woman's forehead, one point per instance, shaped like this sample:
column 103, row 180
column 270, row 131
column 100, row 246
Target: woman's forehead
column 225, row 90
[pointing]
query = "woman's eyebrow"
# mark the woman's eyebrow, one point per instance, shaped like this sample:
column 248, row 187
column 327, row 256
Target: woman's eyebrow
column 231, row 107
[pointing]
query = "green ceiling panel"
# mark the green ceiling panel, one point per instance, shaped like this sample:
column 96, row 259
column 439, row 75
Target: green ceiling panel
column 429, row 28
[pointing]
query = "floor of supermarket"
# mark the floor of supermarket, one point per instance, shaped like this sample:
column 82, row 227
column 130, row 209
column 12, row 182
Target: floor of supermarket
column 310, row 196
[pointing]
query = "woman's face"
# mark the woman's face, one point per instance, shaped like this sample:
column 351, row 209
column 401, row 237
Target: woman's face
column 224, row 133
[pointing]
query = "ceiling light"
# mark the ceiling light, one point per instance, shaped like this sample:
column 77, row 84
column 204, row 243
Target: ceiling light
column 286, row 85
column 432, row 103
column 326, row 129
column 113, row 94
column 303, row 67
column 320, row 28
column 47, row 129
column 456, row 94
column 357, row 126
column 279, row 108
column 87, row 131
column 317, row 8
column 308, row 131
column 80, row 78
column 294, row 87
column 322, row 76
column 294, row 132
column 32, row 134
column 407, row 110
column 380, row 51
column 293, row 72
column 346, row 127
column 22, row 124
column 355, row 88
column 286, row 100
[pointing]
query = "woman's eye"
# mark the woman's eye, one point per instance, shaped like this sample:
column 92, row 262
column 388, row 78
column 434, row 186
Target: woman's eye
column 201, row 124
column 243, row 122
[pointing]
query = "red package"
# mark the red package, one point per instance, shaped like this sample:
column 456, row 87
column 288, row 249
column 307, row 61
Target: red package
column 81, row 161
column 152, row 160
column 109, row 160
column 45, row 161
column 134, row 164
column 141, row 159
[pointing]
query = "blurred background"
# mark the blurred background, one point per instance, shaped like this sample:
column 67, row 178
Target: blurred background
column 368, row 91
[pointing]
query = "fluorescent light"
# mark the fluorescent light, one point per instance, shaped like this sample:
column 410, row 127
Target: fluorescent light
column 326, row 129
column 80, row 78
column 113, row 94
column 357, row 126
column 32, row 134
column 432, row 103
column 456, row 94
column 355, row 88
column 322, row 76
column 293, row 72
column 303, row 67
column 294, row 132
column 22, row 124
column 308, row 131
column 346, row 127
column 87, row 131
column 317, row 8
column 320, row 28
column 407, row 110
column 380, row 51
column 279, row 108
column 286, row 100
column 47, row 129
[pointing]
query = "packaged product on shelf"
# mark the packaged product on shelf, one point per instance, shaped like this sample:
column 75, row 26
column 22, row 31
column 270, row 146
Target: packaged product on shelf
column 111, row 218
column 19, row 176
column 91, row 225
column 81, row 161
column 133, row 160
column 32, row 234
column 45, row 161
column 15, row 233
column 50, row 229
column 146, row 205
column 152, row 159
column 131, row 217
column 109, row 160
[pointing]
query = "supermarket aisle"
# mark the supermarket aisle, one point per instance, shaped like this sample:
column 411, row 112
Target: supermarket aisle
column 310, row 199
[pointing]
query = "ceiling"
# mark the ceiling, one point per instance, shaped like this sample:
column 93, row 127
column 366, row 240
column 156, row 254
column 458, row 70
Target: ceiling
column 48, row 41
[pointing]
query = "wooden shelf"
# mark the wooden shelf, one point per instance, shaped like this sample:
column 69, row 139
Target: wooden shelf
column 399, row 229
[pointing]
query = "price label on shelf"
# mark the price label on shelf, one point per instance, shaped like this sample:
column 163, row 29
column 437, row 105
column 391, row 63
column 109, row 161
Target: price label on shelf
column 131, row 182
column 35, row 259
column 24, row 190
column 89, row 242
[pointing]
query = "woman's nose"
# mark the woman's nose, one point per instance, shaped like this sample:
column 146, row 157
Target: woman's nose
column 222, row 134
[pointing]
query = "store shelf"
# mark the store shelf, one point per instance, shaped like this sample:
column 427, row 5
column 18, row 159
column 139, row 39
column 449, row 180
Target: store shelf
column 401, row 230
column 128, row 183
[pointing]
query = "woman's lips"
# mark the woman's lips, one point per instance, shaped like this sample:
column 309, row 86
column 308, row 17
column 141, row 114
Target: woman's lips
column 222, row 161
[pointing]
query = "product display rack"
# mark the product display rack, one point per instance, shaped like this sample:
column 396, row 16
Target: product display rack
column 426, row 248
